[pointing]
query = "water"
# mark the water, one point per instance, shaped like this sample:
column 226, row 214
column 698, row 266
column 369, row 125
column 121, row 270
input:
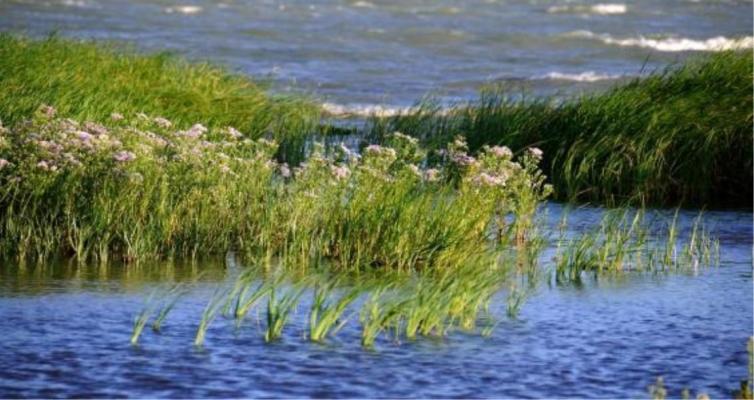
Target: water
column 356, row 55
column 65, row 333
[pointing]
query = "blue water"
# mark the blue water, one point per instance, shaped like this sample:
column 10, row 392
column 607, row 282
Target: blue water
column 358, row 54
column 65, row 333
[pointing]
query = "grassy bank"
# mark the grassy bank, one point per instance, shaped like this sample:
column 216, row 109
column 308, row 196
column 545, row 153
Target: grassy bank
column 681, row 136
column 88, row 81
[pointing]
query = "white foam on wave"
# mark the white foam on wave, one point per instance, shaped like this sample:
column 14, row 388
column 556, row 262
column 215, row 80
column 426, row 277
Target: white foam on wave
column 185, row 9
column 599, row 9
column 364, row 110
column 363, row 4
column 586, row 76
column 671, row 44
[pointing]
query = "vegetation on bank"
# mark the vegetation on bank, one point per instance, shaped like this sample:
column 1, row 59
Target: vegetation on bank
column 681, row 136
column 138, row 188
column 90, row 81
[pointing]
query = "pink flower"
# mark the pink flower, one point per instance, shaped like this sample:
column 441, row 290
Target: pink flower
column 464, row 160
column 431, row 175
column 116, row 117
column 490, row 180
column 124, row 156
column 163, row 122
column 43, row 165
column 84, row 136
column 234, row 133
column 95, row 128
column 340, row 172
column 48, row 111
column 3, row 163
column 536, row 153
column 501, row 151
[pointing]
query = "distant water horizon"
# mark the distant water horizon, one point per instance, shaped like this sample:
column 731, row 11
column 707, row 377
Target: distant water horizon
column 363, row 57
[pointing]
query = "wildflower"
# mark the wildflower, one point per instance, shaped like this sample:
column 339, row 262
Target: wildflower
column 195, row 131
column 3, row 163
column 285, row 172
column 490, row 180
column 142, row 116
column 48, row 111
column 116, row 116
column 163, row 122
column 84, row 136
column 124, row 156
column 44, row 165
column 95, row 128
column 464, row 160
column 234, row 133
column 225, row 169
column 340, row 172
column 415, row 170
column 432, row 175
column 536, row 153
column 501, row 151
column 410, row 139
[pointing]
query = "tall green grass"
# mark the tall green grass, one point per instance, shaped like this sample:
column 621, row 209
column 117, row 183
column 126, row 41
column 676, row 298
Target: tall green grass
column 680, row 136
column 90, row 81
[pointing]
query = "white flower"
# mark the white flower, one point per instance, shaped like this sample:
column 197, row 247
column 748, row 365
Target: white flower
column 536, row 153
column 235, row 133
column 285, row 172
column 431, row 175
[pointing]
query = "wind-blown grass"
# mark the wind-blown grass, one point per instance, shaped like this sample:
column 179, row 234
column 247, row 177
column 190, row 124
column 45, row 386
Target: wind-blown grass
column 140, row 189
column 90, row 81
column 680, row 136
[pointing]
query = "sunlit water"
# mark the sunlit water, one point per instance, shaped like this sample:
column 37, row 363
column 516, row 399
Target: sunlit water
column 66, row 330
column 357, row 54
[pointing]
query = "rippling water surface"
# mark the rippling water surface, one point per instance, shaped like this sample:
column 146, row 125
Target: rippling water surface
column 65, row 333
column 356, row 54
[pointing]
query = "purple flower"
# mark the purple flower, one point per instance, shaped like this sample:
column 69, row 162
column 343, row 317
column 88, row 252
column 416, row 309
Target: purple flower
column 124, row 156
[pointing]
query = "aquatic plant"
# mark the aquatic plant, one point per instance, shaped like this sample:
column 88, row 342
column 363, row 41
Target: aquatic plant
column 208, row 315
column 142, row 318
column 169, row 301
column 681, row 135
column 326, row 317
column 625, row 241
column 279, row 309
column 91, row 81
column 138, row 189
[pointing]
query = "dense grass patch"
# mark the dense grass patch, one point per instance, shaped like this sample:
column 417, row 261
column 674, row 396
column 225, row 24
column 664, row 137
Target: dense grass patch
column 138, row 188
column 681, row 136
column 88, row 81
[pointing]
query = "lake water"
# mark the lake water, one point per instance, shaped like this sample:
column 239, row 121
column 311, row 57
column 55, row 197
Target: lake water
column 379, row 55
column 66, row 329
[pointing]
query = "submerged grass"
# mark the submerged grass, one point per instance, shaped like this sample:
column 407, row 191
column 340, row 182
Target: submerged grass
column 91, row 81
column 680, row 136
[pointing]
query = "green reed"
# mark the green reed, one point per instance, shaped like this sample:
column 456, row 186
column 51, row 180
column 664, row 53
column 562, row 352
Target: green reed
column 209, row 314
column 90, row 81
column 326, row 314
column 279, row 307
column 680, row 135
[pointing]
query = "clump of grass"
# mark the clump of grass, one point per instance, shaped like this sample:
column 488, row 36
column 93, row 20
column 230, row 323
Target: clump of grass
column 141, row 319
column 139, row 189
column 326, row 317
column 625, row 241
column 682, row 135
column 279, row 309
column 90, row 81
column 209, row 314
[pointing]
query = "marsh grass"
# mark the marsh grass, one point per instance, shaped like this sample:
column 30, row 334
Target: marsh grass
column 90, row 81
column 280, row 303
column 626, row 241
column 209, row 314
column 327, row 310
column 142, row 318
column 679, row 136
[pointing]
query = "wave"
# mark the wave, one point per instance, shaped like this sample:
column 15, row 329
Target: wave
column 186, row 10
column 671, row 44
column 587, row 76
column 599, row 9
column 364, row 110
